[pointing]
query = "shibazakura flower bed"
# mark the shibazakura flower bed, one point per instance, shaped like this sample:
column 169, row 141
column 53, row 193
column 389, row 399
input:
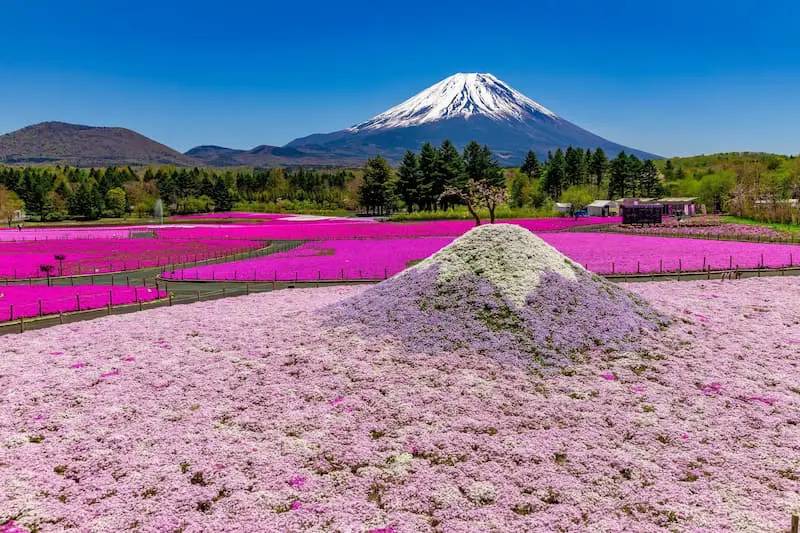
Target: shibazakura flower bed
column 602, row 253
column 89, row 256
column 299, row 228
column 22, row 301
column 245, row 413
column 709, row 227
column 607, row 253
column 326, row 260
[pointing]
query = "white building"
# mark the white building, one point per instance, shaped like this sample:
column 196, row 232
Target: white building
column 602, row 208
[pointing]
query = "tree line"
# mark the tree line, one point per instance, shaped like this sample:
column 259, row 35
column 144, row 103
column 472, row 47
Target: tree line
column 437, row 178
column 57, row 193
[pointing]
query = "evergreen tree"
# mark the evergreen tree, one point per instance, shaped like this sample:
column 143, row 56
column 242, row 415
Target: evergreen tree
column 633, row 173
column 428, row 194
column 479, row 165
column 649, row 184
column 618, row 179
column 531, row 166
column 223, row 199
column 86, row 201
column 377, row 192
column 555, row 177
column 408, row 180
column 449, row 169
column 598, row 166
column 573, row 167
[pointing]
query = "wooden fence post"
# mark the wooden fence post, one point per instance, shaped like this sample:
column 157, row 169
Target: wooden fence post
column 795, row 523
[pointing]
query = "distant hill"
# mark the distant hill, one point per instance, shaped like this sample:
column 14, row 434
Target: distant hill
column 85, row 146
column 268, row 156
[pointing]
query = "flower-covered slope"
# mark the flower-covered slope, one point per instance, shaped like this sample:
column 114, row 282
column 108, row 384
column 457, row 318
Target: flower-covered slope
column 244, row 414
column 501, row 290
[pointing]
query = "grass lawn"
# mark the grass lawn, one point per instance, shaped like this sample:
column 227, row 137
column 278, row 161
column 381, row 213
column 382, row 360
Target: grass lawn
column 461, row 213
column 791, row 228
column 132, row 221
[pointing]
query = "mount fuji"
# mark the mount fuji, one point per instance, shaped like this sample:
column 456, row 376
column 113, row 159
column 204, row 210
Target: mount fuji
column 462, row 107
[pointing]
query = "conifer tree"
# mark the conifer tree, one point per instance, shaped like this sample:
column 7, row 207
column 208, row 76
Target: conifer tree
column 531, row 166
column 408, row 180
column 649, row 184
column 598, row 166
column 573, row 167
column 427, row 175
column 555, row 176
column 618, row 179
column 449, row 170
column 377, row 191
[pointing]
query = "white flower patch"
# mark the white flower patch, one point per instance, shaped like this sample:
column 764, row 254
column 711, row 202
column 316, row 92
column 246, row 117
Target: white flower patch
column 511, row 258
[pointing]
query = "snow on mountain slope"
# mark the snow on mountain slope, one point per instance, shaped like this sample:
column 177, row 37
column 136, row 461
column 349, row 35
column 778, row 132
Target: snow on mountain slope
column 461, row 108
column 460, row 95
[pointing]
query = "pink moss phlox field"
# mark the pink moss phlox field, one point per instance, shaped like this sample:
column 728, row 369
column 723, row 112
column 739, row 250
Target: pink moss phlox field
column 711, row 226
column 22, row 301
column 605, row 253
column 88, row 256
column 327, row 260
column 329, row 229
column 228, row 401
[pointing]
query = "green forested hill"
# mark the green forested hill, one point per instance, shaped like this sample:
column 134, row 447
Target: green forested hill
column 727, row 180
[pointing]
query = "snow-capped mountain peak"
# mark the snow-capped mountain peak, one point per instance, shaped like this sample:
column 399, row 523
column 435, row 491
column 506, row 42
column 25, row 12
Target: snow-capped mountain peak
column 461, row 95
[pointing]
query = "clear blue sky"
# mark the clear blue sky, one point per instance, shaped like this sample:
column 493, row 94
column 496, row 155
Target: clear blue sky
column 672, row 77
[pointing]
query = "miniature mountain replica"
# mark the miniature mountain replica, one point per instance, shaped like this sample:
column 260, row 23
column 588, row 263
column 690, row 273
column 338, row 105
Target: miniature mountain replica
column 463, row 107
column 500, row 290
column 85, row 146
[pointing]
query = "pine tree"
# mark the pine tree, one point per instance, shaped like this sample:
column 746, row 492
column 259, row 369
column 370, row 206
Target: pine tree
column 427, row 176
column 86, row 201
column 598, row 166
column 633, row 173
column 618, row 180
column 531, row 166
column 649, row 183
column 555, row 178
column 377, row 191
column 574, row 168
column 449, row 169
column 408, row 178
column 223, row 200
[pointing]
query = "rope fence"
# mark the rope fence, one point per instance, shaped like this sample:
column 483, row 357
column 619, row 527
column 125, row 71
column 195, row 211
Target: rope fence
column 80, row 301
column 88, row 268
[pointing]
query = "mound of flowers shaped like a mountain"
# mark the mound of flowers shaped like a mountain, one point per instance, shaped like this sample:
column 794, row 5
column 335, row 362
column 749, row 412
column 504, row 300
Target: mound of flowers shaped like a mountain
column 500, row 289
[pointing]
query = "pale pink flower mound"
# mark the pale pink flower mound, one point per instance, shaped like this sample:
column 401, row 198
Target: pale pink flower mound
column 215, row 429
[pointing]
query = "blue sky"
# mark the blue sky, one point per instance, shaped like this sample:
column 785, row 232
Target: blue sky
column 670, row 77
